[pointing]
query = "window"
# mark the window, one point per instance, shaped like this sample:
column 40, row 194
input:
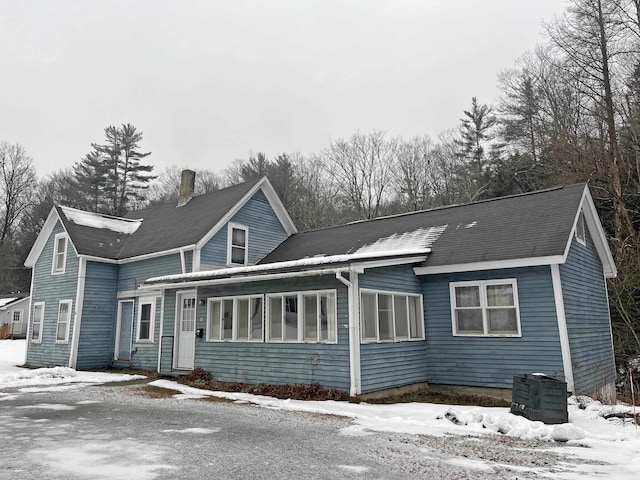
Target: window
column 146, row 319
column 390, row 317
column 64, row 319
column 59, row 254
column 237, row 244
column 38, row 316
column 16, row 316
column 302, row 317
column 580, row 233
column 485, row 308
column 236, row 319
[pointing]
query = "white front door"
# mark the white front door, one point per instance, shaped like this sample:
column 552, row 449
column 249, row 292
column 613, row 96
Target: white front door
column 185, row 330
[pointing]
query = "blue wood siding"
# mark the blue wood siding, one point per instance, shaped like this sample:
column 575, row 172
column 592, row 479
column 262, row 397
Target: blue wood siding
column 278, row 363
column 97, row 328
column 132, row 274
column 588, row 322
column 51, row 289
column 265, row 232
column 392, row 364
column 145, row 355
column 492, row 361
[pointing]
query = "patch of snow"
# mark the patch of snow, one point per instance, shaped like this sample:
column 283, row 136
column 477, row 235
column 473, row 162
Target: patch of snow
column 4, row 301
column 354, row 468
column 200, row 431
column 96, row 220
column 420, row 238
column 50, row 406
column 470, row 464
column 471, row 225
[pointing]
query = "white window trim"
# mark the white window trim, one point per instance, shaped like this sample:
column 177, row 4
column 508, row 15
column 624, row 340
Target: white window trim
column 39, row 339
column 13, row 315
column 70, row 303
column 234, row 327
column 300, row 318
column 237, row 226
column 56, row 253
column 146, row 301
column 581, row 225
column 393, row 294
column 482, row 284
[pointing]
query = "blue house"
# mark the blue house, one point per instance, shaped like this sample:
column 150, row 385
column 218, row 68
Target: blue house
column 467, row 295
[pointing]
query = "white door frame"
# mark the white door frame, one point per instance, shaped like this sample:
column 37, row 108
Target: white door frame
column 178, row 320
column 118, row 324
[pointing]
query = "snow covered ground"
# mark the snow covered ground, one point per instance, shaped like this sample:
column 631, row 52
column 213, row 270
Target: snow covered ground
column 593, row 446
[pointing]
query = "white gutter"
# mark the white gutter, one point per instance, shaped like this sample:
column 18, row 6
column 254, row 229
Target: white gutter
column 354, row 330
column 75, row 340
column 562, row 327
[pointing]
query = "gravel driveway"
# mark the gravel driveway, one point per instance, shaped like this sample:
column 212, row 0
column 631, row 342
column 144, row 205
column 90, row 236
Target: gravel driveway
column 117, row 431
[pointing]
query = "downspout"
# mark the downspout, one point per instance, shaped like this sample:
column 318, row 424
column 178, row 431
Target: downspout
column 75, row 340
column 161, row 331
column 354, row 329
column 562, row 326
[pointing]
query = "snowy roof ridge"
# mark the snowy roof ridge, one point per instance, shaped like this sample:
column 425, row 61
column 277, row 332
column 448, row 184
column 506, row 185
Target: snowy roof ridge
column 123, row 225
column 304, row 262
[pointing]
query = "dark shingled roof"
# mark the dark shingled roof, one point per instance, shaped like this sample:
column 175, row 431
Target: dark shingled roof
column 530, row 225
column 164, row 227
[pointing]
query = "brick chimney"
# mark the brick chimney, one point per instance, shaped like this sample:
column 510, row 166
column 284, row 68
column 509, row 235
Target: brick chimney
column 187, row 185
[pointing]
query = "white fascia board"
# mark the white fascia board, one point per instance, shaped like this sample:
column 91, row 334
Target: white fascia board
column 273, row 199
column 156, row 254
column 98, row 259
column 492, row 265
column 596, row 231
column 390, row 262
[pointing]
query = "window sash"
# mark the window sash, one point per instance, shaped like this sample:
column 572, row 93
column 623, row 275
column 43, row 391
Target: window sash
column 496, row 313
column 146, row 320
column 64, row 319
column 235, row 319
column 59, row 253
column 390, row 316
column 38, row 317
column 308, row 316
column 237, row 244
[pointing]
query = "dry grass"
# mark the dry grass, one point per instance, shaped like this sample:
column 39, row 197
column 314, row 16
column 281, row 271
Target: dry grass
column 152, row 391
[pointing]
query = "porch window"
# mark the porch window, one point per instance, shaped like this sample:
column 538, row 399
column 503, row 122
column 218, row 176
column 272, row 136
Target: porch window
column 64, row 319
column 235, row 319
column 38, row 316
column 391, row 317
column 302, row 317
column 59, row 254
column 146, row 319
column 237, row 244
column 485, row 308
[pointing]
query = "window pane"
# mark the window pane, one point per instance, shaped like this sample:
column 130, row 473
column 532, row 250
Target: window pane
column 238, row 237
column 275, row 318
column 400, row 314
column 468, row 296
column 385, row 317
column 63, row 321
column 243, row 319
column 237, row 255
column 145, row 321
column 502, row 320
column 310, row 317
column 327, row 317
column 291, row 318
column 500, row 295
column 368, row 315
column 469, row 321
column 256, row 319
column 227, row 319
column 415, row 318
column 214, row 320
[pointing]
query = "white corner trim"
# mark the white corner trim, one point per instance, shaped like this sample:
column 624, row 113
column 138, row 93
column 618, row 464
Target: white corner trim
column 161, row 333
column 562, row 326
column 75, row 339
column 490, row 265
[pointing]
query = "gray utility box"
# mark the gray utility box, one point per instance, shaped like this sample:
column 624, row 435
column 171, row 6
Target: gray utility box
column 539, row 398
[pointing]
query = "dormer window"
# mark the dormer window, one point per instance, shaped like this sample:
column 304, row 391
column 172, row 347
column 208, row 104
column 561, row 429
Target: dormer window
column 580, row 233
column 237, row 244
column 59, row 254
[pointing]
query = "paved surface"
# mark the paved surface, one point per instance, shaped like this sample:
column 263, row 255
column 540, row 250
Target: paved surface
column 117, row 432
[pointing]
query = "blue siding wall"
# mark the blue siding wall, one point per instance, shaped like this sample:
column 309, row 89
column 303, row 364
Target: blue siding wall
column 588, row 323
column 327, row 364
column 265, row 232
column 51, row 289
column 392, row 364
column 97, row 328
column 145, row 354
column 492, row 361
column 132, row 274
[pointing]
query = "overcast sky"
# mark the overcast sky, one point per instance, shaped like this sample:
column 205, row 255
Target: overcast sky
column 210, row 81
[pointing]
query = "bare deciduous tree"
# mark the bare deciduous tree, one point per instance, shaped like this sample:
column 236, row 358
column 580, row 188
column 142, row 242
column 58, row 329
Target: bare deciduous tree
column 17, row 184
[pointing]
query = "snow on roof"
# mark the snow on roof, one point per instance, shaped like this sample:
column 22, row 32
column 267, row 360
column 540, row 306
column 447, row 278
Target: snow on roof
column 6, row 301
column 422, row 237
column 304, row 262
column 96, row 220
